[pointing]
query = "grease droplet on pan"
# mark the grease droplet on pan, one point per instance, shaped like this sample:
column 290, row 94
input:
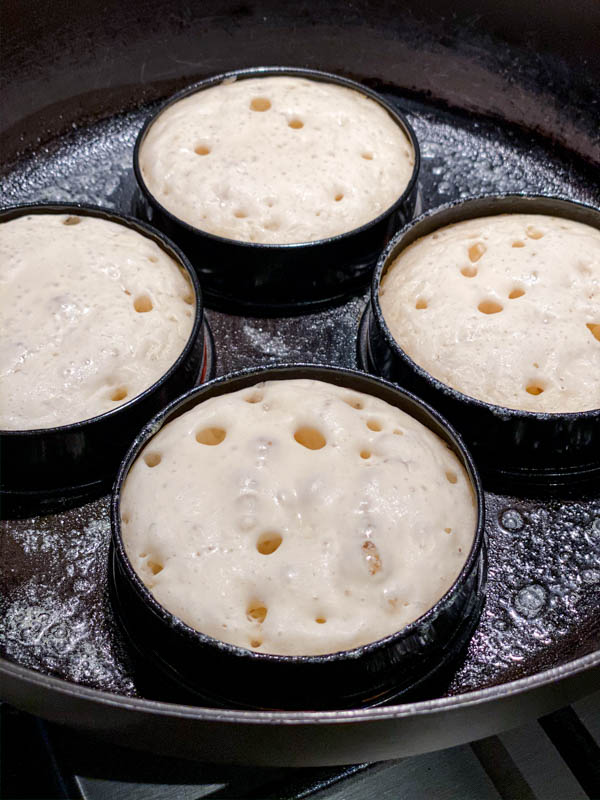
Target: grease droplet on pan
column 511, row 520
column 530, row 601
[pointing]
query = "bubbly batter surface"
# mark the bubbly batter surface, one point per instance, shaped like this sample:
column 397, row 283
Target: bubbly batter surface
column 297, row 517
column 276, row 159
column 505, row 309
column 92, row 313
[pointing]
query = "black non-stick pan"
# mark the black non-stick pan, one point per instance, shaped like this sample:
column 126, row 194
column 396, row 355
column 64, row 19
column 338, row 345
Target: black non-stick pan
column 503, row 98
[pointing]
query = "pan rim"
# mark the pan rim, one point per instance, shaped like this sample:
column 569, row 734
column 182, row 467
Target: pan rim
column 321, row 718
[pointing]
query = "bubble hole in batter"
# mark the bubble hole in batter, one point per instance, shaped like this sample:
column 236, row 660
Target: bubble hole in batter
column 202, row 150
column 254, row 397
column 72, row 221
column 155, row 566
column 421, row 303
column 354, row 402
column 372, row 557
column 594, row 328
column 260, row 104
column 490, row 307
column 120, row 393
column 256, row 612
column 296, row 124
column 311, row 438
column 451, row 476
column 268, row 542
column 143, row 304
column 533, row 233
column 152, row 459
column 211, row 436
column 374, row 425
column 516, row 292
column 534, row 388
column 476, row 251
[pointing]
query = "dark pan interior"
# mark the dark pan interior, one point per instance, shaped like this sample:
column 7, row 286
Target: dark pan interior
column 501, row 99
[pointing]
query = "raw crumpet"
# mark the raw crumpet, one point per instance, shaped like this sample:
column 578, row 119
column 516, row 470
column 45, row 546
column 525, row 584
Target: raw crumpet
column 276, row 159
column 505, row 309
column 93, row 313
column 297, row 517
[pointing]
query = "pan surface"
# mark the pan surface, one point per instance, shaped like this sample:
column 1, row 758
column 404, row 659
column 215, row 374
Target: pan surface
column 537, row 646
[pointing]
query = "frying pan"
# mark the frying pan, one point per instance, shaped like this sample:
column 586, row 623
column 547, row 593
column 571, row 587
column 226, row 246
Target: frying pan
column 521, row 74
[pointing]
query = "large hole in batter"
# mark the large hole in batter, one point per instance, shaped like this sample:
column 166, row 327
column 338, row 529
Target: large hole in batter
column 120, row 393
column 476, row 251
column 489, row 307
column 260, row 104
column 594, row 328
column 451, row 476
column 516, row 292
column 153, row 458
column 365, row 454
column 268, row 542
column 142, row 303
column 211, row 436
column 372, row 557
column 374, row 425
column 469, row 272
column 72, row 221
column 256, row 612
column 310, row 438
